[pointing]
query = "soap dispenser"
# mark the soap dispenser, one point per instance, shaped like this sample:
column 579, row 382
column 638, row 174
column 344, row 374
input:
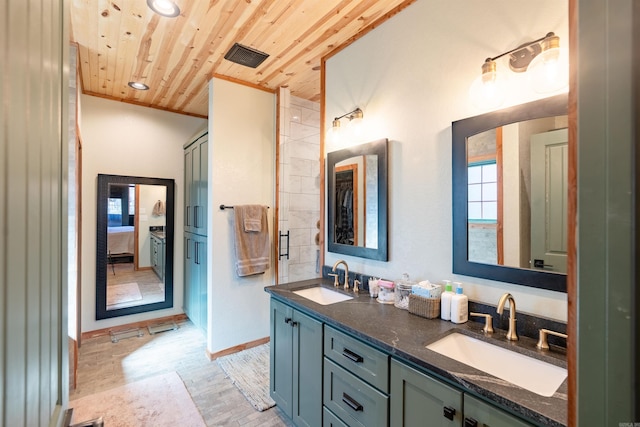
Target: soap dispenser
column 459, row 306
column 445, row 301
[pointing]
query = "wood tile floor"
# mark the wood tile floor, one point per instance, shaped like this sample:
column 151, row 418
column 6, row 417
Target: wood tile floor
column 149, row 284
column 104, row 365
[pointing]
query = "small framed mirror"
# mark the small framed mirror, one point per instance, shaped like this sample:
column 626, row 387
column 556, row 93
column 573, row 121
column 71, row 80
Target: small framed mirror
column 510, row 192
column 357, row 200
column 134, row 245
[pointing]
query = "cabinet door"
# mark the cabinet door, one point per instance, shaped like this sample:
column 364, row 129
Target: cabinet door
column 190, row 275
column 418, row 400
column 281, row 357
column 203, row 168
column 480, row 414
column 188, row 183
column 195, row 183
column 307, row 370
column 200, row 261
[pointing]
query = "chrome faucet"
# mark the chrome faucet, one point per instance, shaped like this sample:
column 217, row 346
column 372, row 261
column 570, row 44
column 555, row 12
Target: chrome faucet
column 511, row 333
column 346, row 273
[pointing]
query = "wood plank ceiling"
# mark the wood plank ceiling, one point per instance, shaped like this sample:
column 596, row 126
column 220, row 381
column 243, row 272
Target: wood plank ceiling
column 123, row 40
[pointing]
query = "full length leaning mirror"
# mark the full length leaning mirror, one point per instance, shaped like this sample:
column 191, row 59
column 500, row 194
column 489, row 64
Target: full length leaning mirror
column 134, row 245
column 357, row 200
column 510, row 188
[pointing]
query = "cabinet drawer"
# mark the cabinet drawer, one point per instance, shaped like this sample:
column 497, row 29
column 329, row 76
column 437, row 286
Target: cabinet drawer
column 361, row 359
column 330, row 420
column 478, row 413
column 355, row 402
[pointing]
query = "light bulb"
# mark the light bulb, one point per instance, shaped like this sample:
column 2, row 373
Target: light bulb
column 488, row 90
column 334, row 133
column 549, row 71
column 164, row 7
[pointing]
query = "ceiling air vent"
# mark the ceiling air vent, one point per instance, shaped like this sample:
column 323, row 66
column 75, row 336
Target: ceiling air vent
column 244, row 55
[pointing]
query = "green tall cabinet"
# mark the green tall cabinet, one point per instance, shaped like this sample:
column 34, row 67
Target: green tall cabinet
column 296, row 364
column 195, row 229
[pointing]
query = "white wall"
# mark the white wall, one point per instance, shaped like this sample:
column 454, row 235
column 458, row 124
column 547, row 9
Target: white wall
column 126, row 139
column 241, row 171
column 411, row 77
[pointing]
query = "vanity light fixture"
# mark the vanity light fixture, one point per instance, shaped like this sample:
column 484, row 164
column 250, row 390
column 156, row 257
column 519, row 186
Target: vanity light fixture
column 166, row 8
column 356, row 115
column 138, row 86
column 545, row 61
column 355, row 120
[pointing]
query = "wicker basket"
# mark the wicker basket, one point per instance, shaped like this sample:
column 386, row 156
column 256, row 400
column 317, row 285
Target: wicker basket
column 424, row 307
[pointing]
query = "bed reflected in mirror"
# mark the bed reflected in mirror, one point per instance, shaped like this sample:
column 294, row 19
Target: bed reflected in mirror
column 134, row 259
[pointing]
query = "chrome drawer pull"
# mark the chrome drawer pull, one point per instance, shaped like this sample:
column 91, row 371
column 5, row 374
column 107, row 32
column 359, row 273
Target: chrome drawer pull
column 351, row 403
column 352, row 356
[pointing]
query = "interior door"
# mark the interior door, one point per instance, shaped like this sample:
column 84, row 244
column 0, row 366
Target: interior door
column 549, row 163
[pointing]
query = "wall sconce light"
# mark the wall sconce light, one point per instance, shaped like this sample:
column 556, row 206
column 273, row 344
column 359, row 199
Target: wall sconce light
column 355, row 121
column 356, row 115
column 543, row 59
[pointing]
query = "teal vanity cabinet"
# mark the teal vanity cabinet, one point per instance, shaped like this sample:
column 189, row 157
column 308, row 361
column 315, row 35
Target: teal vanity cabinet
column 356, row 382
column 195, row 230
column 296, row 364
column 157, row 255
column 418, row 397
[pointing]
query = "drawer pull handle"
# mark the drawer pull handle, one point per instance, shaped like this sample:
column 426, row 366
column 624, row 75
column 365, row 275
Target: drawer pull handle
column 351, row 403
column 470, row 422
column 287, row 320
column 354, row 357
column 449, row 412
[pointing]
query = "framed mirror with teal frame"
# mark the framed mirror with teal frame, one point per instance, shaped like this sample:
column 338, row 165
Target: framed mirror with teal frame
column 470, row 212
column 134, row 245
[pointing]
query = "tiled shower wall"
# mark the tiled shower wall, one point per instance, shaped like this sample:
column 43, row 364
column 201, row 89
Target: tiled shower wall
column 299, row 187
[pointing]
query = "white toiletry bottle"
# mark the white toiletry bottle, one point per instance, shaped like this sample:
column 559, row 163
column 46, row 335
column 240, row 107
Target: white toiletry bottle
column 445, row 301
column 459, row 306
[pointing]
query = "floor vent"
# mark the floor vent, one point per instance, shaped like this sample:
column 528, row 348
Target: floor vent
column 244, row 55
column 162, row 327
column 127, row 333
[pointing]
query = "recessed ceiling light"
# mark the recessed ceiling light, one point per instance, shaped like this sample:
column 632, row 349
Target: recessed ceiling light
column 164, row 7
column 138, row 85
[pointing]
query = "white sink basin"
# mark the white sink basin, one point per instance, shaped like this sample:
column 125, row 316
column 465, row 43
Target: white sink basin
column 322, row 295
column 532, row 374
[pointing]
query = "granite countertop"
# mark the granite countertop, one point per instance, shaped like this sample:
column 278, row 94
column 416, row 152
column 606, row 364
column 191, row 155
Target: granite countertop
column 405, row 336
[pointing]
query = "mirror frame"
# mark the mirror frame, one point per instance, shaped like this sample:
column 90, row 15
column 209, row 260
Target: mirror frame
column 461, row 130
column 379, row 148
column 101, row 245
